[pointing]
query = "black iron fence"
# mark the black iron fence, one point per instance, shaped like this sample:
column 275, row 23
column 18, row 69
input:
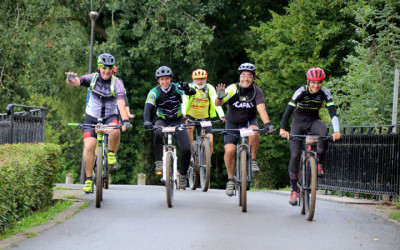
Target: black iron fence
column 366, row 160
column 22, row 124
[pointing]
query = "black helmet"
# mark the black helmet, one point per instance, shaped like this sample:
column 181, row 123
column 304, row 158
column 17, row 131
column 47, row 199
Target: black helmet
column 247, row 67
column 163, row 71
column 105, row 59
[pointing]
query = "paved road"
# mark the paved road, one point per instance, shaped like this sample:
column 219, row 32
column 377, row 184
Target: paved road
column 137, row 217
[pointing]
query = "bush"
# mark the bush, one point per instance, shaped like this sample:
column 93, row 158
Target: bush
column 27, row 176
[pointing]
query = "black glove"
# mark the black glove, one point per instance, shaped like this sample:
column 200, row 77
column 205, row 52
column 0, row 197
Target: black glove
column 126, row 124
column 184, row 86
column 221, row 94
column 268, row 127
column 147, row 125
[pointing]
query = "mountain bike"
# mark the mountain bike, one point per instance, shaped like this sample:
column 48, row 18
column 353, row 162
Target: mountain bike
column 199, row 169
column 100, row 167
column 308, row 178
column 242, row 175
column 170, row 172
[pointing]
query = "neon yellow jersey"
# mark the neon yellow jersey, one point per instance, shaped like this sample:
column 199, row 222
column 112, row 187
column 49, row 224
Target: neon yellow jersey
column 199, row 106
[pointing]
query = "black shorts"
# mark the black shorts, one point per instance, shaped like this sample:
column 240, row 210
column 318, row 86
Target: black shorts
column 230, row 139
column 90, row 131
column 208, row 129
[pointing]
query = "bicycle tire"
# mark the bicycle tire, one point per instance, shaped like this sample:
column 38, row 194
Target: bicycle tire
column 205, row 168
column 169, row 179
column 99, row 178
column 300, row 187
column 193, row 173
column 243, row 179
column 311, row 191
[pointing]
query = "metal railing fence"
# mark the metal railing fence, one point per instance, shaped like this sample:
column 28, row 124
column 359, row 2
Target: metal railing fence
column 365, row 160
column 22, row 124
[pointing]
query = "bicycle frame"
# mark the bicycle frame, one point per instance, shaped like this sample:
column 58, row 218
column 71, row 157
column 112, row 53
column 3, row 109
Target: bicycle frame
column 169, row 148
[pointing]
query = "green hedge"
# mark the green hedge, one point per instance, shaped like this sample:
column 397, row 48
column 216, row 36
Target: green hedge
column 27, row 177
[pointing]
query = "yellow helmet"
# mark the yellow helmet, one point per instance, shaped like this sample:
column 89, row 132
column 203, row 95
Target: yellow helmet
column 199, row 73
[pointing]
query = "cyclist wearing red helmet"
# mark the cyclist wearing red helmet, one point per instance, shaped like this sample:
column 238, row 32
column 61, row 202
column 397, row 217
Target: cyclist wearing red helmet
column 306, row 102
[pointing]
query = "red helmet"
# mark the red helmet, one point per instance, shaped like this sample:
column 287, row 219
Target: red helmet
column 315, row 74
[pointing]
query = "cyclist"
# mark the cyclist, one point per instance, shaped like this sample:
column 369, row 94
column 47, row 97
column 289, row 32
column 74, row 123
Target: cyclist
column 167, row 98
column 306, row 102
column 106, row 93
column 244, row 99
column 201, row 106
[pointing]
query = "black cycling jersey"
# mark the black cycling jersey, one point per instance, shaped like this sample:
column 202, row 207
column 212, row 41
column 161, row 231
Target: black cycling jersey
column 307, row 105
column 242, row 105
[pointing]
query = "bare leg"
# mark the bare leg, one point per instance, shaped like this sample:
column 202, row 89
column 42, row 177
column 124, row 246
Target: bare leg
column 229, row 158
column 254, row 141
column 88, row 154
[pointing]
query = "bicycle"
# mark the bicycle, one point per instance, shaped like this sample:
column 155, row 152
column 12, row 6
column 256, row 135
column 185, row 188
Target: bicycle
column 100, row 167
column 242, row 175
column 170, row 161
column 199, row 169
column 308, row 178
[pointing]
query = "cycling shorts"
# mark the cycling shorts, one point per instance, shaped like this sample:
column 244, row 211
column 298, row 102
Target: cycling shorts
column 90, row 131
column 231, row 139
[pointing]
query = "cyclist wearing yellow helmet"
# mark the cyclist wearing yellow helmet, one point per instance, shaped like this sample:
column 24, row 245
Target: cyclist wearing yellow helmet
column 200, row 106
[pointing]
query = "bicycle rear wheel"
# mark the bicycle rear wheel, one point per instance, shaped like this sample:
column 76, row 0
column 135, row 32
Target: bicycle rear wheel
column 310, row 193
column 243, row 180
column 99, row 179
column 169, row 179
column 193, row 171
column 205, row 155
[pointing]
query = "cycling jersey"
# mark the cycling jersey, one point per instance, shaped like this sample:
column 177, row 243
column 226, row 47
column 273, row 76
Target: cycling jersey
column 307, row 105
column 202, row 104
column 101, row 101
column 168, row 102
column 242, row 102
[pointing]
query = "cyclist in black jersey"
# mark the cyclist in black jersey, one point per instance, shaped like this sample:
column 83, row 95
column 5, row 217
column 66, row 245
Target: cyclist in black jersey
column 244, row 100
column 306, row 102
column 167, row 99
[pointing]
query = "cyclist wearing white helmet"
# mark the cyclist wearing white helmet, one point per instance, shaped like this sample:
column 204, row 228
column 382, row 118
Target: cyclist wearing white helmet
column 167, row 99
column 244, row 100
column 106, row 96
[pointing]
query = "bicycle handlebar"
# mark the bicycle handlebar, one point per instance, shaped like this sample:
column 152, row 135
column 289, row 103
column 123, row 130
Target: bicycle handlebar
column 198, row 123
column 81, row 126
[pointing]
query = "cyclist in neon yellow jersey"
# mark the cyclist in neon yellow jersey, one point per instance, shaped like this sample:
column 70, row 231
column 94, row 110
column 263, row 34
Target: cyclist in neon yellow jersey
column 201, row 106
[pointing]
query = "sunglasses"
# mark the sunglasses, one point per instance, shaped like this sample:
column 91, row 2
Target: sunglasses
column 107, row 67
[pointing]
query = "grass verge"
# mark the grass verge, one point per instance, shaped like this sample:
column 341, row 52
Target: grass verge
column 35, row 219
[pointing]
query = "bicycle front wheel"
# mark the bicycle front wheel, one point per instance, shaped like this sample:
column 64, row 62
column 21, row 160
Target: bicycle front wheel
column 99, row 178
column 243, row 180
column 169, row 179
column 310, row 194
column 205, row 167
column 193, row 171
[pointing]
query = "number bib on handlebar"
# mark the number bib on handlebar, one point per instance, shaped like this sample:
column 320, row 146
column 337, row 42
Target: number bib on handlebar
column 311, row 140
column 205, row 124
column 246, row 132
column 168, row 129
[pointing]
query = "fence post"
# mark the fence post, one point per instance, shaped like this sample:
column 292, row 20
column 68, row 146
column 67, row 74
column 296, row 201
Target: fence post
column 141, row 179
column 395, row 97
